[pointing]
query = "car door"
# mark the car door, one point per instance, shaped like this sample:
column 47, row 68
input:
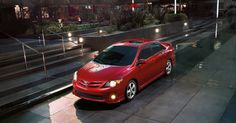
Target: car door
column 159, row 56
column 145, row 71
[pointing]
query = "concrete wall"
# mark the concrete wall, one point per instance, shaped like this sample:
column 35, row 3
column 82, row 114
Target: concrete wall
column 228, row 3
column 101, row 42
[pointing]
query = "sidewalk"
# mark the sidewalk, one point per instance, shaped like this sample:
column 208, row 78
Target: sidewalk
column 214, row 83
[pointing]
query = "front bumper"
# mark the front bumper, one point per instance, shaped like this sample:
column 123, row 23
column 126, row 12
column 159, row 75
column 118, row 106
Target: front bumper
column 99, row 94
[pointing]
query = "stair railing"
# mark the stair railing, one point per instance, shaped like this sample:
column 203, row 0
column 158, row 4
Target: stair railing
column 81, row 44
column 62, row 39
column 24, row 46
column 63, row 42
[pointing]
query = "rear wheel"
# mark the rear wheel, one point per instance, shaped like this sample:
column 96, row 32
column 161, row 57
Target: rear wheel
column 131, row 90
column 168, row 67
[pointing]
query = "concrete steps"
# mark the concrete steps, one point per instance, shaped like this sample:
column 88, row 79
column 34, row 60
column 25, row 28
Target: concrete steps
column 20, row 91
column 18, row 69
column 20, row 86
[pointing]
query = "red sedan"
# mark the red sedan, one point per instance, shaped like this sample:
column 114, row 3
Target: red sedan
column 122, row 69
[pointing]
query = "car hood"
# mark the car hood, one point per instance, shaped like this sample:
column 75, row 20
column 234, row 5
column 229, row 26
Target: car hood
column 93, row 71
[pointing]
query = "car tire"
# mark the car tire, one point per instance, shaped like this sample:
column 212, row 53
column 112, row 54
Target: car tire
column 131, row 90
column 168, row 68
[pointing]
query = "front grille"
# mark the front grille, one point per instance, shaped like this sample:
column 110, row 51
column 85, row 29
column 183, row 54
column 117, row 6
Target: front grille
column 89, row 96
column 90, row 84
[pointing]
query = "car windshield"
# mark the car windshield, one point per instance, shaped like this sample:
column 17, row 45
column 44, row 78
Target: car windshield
column 117, row 55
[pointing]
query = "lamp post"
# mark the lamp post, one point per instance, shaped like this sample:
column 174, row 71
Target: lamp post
column 175, row 6
column 217, row 16
column 217, row 8
column 133, row 6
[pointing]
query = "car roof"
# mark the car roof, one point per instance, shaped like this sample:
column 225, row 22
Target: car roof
column 135, row 42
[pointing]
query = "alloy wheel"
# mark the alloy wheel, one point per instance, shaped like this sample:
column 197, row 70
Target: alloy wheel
column 168, row 67
column 131, row 90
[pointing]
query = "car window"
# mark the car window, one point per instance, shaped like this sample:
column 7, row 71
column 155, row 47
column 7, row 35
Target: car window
column 146, row 52
column 150, row 50
column 117, row 55
column 156, row 47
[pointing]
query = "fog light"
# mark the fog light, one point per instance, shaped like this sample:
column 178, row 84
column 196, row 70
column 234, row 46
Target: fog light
column 113, row 96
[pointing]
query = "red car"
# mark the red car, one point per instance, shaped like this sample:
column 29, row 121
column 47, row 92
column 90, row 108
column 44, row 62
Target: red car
column 122, row 69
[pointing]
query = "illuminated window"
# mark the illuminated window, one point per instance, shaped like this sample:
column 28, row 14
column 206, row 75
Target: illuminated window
column 26, row 13
column 18, row 12
column 45, row 12
column 22, row 13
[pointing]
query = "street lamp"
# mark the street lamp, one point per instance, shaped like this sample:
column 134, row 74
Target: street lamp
column 100, row 31
column 157, row 30
column 69, row 34
column 217, row 8
column 81, row 40
column 132, row 5
column 185, row 24
column 175, row 6
column 70, row 39
column 217, row 16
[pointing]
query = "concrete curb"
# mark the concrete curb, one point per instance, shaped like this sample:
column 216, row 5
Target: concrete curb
column 36, row 100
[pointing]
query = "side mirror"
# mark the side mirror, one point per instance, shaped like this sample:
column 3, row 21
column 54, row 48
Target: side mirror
column 93, row 56
column 141, row 61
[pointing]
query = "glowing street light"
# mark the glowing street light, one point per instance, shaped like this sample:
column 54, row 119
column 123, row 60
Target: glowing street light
column 175, row 6
column 70, row 39
column 185, row 24
column 216, row 31
column 69, row 34
column 133, row 6
column 157, row 30
column 100, row 31
column 81, row 40
column 217, row 8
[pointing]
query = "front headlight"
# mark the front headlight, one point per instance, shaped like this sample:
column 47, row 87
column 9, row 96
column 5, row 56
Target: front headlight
column 113, row 83
column 75, row 76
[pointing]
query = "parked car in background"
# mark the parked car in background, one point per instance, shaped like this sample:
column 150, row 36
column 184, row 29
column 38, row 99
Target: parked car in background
column 123, row 69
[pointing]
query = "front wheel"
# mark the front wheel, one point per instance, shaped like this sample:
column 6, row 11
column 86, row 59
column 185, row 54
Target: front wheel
column 168, row 67
column 131, row 90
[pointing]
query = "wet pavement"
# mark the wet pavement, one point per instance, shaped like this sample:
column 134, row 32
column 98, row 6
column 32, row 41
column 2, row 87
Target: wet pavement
column 200, row 90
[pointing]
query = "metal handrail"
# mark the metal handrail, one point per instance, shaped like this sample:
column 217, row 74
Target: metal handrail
column 82, row 46
column 31, row 48
column 63, row 42
column 62, row 39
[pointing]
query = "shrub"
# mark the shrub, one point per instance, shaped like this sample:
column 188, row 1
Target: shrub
column 69, row 27
column 127, row 26
column 53, row 26
column 107, row 29
column 150, row 19
column 126, row 20
column 171, row 17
